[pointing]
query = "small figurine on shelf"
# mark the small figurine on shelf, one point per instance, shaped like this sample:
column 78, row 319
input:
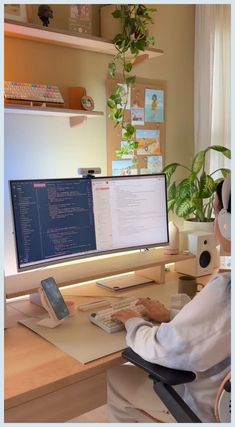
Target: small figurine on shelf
column 45, row 13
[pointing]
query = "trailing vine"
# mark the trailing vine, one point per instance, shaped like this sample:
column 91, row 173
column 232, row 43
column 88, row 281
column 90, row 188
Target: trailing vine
column 129, row 43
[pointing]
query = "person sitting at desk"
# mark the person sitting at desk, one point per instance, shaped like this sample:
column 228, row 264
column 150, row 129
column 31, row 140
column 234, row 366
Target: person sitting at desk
column 196, row 338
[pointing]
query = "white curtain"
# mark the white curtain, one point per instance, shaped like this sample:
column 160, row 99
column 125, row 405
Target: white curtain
column 212, row 112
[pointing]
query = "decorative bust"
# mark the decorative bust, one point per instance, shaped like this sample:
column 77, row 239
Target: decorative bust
column 45, row 13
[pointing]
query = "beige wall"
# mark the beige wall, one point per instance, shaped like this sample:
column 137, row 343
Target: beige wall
column 37, row 147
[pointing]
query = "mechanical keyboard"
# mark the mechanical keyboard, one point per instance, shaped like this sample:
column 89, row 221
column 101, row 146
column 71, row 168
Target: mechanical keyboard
column 18, row 91
column 102, row 318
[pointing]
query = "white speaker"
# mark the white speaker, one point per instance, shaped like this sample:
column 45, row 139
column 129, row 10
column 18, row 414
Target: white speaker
column 203, row 246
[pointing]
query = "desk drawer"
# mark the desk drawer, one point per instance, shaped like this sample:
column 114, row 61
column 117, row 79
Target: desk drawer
column 62, row 405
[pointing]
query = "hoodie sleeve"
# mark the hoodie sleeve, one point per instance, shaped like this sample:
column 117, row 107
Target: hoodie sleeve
column 194, row 332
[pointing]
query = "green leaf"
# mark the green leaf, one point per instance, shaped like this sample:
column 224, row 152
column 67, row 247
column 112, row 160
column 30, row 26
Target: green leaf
column 150, row 41
column 134, row 145
column 226, row 151
column 118, row 114
column 206, row 186
column 140, row 45
column 112, row 69
column 172, row 191
column 117, row 13
column 130, row 128
column 131, row 80
column 128, row 67
column 169, row 170
column 184, row 209
column 116, row 97
column 170, row 205
column 111, row 104
column 225, row 171
column 134, row 50
column 198, row 161
column 118, row 89
column 185, row 189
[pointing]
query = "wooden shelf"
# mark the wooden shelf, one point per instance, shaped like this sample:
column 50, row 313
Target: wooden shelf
column 62, row 38
column 76, row 117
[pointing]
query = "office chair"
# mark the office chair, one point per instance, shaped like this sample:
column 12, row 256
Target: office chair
column 163, row 380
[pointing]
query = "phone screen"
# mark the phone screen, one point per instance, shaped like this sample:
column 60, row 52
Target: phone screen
column 55, row 298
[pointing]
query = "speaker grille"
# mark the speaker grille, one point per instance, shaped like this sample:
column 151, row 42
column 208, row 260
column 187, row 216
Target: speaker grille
column 205, row 259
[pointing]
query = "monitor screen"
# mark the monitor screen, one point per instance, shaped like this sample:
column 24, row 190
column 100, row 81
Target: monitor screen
column 63, row 219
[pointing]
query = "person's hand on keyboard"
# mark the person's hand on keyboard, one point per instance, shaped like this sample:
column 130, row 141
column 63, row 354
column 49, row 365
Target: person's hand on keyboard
column 154, row 310
column 124, row 315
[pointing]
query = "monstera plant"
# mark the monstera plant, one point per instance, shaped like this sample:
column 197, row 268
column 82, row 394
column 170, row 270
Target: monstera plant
column 132, row 40
column 192, row 197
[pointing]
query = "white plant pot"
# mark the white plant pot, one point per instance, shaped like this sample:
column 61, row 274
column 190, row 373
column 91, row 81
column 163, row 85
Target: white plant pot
column 208, row 227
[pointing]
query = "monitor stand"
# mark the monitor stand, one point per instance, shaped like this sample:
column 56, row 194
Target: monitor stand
column 122, row 282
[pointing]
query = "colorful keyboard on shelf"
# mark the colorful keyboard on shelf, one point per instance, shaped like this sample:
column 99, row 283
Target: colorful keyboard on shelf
column 32, row 93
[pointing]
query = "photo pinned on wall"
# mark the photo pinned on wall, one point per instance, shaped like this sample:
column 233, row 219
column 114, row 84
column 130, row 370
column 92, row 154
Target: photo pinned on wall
column 144, row 171
column 80, row 19
column 125, row 96
column 136, row 99
column 154, row 105
column 149, row 141
column 154, row 164
column 137, row 116
column 127, row 153
column 122, row 168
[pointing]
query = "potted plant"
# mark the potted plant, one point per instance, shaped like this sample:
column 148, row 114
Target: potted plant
column 192, row 197
column 132, row 40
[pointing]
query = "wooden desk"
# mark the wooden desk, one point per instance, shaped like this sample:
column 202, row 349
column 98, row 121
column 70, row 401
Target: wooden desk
column 43, row 384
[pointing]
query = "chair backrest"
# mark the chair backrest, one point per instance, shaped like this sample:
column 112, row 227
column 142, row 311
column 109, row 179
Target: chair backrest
column 223, row 401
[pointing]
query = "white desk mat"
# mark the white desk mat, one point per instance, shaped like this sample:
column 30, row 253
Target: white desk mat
column 79, row 338
column 84, row 341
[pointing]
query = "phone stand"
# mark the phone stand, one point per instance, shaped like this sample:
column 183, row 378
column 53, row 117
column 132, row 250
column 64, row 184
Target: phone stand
column 51, row 321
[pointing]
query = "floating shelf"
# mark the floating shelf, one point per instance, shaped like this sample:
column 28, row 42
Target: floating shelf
column 62, row 38
column 76, row 117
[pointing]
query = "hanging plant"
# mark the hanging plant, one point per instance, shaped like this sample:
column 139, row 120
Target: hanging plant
column 129, row 43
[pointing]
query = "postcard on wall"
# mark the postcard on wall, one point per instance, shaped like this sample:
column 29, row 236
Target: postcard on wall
column 123, row 167
column 136, row 99
column 149, row 141
column 144, row 171
column 127, row 153
column 137, row 116
column 125, row 96
column 154, row 164
column 154, row 105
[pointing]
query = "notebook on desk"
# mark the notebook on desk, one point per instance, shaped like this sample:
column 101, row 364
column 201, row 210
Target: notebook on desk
column 120, row 283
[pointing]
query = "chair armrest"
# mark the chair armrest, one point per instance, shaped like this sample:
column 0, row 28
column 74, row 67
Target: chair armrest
column 158, row 372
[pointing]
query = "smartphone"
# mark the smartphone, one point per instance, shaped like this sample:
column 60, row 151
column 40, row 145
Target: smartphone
column 55, row 298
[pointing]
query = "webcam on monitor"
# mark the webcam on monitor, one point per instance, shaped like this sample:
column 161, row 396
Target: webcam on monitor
column 88, row 172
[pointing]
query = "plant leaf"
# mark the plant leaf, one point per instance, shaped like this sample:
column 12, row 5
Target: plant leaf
column 169, row 170
column 128, row 67
column 172, row 191
column 112, row 69
column 111, row 103
column 226, row 151
column 198, row 161
column 184, row 209
column 117, row 13
column 206, row 186
column 170, row 205
column 131, row 80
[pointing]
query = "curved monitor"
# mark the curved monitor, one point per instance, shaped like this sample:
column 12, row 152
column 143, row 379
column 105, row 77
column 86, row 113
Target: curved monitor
column 64, row 219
